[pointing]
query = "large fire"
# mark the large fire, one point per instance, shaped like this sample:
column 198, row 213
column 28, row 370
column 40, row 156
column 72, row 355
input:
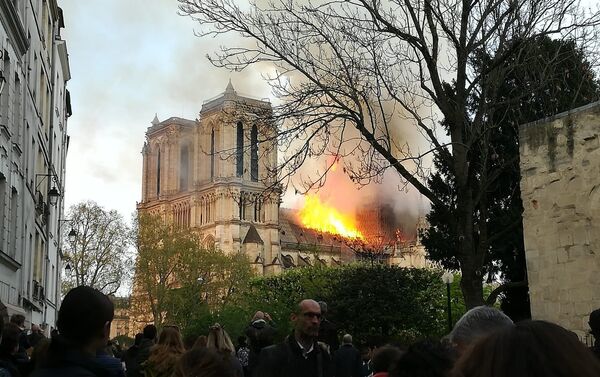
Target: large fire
column 324, row 218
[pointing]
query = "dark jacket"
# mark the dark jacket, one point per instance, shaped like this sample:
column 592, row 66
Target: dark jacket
column 129, row 358
column 328, row 335
column 286, row 360
column 347, row 362
column 260, row 334
column 72, row 364
column 142, row 355
column 111, row 364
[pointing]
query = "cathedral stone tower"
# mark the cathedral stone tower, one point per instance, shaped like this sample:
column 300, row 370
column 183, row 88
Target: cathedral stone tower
column 217, row 175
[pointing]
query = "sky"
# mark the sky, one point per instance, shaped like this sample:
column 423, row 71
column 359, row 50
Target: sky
column 130, row 59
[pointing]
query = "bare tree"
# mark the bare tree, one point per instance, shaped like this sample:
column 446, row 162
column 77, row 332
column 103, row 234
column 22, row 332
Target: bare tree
column 355, row 76
column 98, row 256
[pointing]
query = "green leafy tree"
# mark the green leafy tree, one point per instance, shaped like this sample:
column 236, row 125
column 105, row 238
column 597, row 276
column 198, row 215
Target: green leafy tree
column 547, row 77
column 99, row 255
column 178, row 280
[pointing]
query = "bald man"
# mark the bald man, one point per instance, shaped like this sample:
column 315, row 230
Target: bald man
column 299, row 355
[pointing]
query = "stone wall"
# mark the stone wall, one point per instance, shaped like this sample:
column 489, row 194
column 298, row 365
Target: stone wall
column 560, row 187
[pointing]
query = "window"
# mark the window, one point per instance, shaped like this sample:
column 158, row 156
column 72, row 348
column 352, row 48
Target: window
column 254, row 154
column 14, row 223
column 212, row 154
column 240, row 150
column 184, row 172
column 158, row 174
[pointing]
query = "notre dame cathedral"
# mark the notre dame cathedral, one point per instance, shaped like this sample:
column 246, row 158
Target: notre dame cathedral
column 217, row 174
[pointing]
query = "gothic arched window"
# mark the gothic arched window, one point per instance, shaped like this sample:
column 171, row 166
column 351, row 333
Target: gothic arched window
column 239, row 155
column 184, row 170
column 254, row 154
column 158, row 174
column 212, row 154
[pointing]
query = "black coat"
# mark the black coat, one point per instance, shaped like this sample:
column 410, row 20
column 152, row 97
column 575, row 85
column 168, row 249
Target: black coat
column 328, row 334
column 260, row 334
column 286, row 360
column 347, row 362
column 134, row 369
column 72, row 364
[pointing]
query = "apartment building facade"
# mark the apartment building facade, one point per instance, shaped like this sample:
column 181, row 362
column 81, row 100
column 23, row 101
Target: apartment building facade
column 34, row 108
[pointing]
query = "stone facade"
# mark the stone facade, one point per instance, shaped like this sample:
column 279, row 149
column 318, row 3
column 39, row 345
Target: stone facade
column 214, row 175
column 560, row 187
column 34, row 107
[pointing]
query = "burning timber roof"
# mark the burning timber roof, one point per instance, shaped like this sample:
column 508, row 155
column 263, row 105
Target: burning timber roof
column 296, row 237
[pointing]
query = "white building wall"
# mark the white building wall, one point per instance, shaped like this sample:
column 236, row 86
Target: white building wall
column 33, row 148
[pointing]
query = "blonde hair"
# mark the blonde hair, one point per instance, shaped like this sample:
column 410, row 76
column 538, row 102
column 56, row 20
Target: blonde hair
column 170, row 338
column 219, row 340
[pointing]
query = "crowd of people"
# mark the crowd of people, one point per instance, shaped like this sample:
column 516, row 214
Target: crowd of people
column 484, row 342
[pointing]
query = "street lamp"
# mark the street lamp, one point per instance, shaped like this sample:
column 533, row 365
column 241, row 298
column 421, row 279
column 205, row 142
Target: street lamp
column 68, row 269
column 72, row 236
column 53, row 193
column 448, row 278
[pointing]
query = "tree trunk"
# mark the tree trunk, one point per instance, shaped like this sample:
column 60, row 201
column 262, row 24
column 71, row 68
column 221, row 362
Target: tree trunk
column 471, row 285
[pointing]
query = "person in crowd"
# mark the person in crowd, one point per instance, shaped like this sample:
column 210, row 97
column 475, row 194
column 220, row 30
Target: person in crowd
column 38, row 356
column 476, row 323
column 202, row 362
column 242, row 353
column 384, row 358
column 200, row 342
column 426, row 358
column 300, row 354
column 9, row 347
column 365, row 356
column 83, row 323
column 165, row 354
column 261, row 333
column 35, row 336
column 594, row 323
column 130, row 356
column 219, row 340
column 528, row 349
column 189, row 341
column 104, row 357
column 143, row 352
column 346, row 360
column 24, row 346
column 328, row 333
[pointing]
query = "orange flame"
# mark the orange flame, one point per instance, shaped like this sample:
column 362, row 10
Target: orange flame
column 319, row 216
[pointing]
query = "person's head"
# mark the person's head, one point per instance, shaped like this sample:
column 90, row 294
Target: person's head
column 149, row 332
column 594, row 323
column 258, row 316
column 384, row 358
column 365, row 353
column 84, row 318
column 138, row 339
column 10, row 339
column 202, row 362
column 323, row 306
column 189, row 341
column 307, row 319
column 19, row 320
column 477, row 322
column 425, row 359
column 219, row 340
column 170, row 338
column 347, row 339
column 529, row 348
column 201, row 342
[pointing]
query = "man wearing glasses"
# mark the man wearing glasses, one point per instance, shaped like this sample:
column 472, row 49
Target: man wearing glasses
column 299, row 355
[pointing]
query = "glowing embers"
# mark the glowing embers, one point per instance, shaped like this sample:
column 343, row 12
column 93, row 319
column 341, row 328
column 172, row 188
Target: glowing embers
column 324, row 218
